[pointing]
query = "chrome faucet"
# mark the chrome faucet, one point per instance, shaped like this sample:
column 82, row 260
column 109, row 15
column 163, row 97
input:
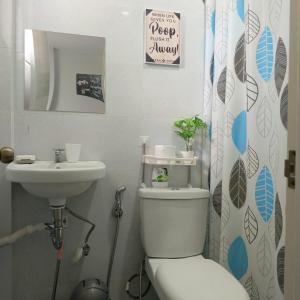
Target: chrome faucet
column 58, row 155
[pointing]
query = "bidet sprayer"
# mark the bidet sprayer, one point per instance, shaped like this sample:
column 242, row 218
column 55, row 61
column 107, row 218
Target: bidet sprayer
column 117, row 210
column 120, row 190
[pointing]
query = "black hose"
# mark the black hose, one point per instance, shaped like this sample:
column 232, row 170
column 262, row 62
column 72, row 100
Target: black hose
column 112, row 255
column 117, row 213
column 58, row 262
column 140, row 281
column 84, row 220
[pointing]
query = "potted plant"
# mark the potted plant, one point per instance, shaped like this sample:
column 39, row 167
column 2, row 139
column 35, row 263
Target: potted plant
column 187, row 129
column 160, row 178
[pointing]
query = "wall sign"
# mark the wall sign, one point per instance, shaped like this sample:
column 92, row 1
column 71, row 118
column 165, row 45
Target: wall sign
column 162, row 41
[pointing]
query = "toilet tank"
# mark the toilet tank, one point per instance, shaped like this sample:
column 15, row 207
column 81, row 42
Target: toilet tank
column 173, row 221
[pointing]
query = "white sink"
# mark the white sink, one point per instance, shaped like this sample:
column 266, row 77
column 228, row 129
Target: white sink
column 56, row 181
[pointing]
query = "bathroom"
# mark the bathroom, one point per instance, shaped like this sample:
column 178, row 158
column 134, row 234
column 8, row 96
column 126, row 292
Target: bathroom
column 140, row 101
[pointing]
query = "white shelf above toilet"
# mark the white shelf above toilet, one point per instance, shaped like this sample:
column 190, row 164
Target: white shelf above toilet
column 171, row 161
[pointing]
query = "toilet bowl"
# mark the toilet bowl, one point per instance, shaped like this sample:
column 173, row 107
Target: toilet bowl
column 173, row 230
column 193, row 278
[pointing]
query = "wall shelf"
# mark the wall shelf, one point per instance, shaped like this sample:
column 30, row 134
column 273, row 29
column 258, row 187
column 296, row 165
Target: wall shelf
column 170, row 161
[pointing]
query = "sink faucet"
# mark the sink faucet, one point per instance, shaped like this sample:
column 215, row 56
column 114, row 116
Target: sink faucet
column 58, row 155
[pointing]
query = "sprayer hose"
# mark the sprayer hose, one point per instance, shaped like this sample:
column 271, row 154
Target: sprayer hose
column 113, row 252
column 58, row 262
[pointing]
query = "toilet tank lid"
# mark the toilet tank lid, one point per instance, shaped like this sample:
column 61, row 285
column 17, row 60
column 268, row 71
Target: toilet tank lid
column 173, row 193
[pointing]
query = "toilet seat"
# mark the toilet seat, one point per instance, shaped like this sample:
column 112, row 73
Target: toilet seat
column 193, row 278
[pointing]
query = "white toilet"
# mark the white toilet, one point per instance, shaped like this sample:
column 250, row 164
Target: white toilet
column 173, row 230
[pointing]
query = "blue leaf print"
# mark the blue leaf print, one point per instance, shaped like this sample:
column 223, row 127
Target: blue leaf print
column 264, row 194
column 239, row 132
column 238, row 258
column 213, row 22
column 265, row 54
column 240, row 9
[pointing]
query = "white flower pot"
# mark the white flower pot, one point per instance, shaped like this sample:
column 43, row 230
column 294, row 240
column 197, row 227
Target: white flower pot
column 160, row 185
column 187, row 154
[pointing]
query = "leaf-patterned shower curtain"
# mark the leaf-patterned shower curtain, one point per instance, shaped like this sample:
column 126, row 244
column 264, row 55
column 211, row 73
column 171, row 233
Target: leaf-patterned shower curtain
column 245, row 103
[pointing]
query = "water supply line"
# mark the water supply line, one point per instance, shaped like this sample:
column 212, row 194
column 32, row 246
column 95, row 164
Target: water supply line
column 55, row 229
column 96, row 288
column 59, row 257
column 85, row 249
column 27, row 230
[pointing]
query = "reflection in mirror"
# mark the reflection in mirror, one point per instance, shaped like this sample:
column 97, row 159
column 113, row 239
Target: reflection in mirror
column 64, row 72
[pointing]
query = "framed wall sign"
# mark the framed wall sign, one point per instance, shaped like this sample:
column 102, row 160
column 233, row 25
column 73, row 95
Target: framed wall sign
column 162, row 37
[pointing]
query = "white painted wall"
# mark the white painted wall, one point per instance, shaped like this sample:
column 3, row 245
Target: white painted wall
column 140, row 100
column 7, row 50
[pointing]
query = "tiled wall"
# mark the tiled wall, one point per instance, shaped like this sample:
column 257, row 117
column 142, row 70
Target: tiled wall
column 141, row 100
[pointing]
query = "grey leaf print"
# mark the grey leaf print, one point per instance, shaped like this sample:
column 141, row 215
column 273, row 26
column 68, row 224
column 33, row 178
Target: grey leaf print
column 250, row 225
column 221, row 87
column 274, row 12
column 214, row 249
column 264, row 256
column 252, row 289
column 264, row 118
column 214, row 217
column 271, row 227
column 252, row 26
column 278, row 221
column 207, row 96
column 280, row 65
column 252, row 92
column 271, row 289
column 280, row 268
column 224, row 247
column 225, row 212
column 238, row 184
column 274, row 147
column 252, row 162
column 240, row 59
column 217, row 199
column 221, row 34
column 226, row 85
column 284, row 107
column 230, row 85
column 217, row 151
column 229, row 119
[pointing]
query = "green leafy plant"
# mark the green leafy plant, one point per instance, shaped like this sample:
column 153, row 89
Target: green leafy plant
column 162, row 178
column 187, row 129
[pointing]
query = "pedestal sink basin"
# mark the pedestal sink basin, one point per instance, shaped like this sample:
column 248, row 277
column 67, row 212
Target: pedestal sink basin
column 56, row 181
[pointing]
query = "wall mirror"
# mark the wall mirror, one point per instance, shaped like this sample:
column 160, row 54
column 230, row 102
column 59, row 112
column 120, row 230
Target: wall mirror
column 64, row 72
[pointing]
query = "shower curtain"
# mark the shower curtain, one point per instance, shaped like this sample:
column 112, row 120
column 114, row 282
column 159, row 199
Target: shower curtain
column 245, row 103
